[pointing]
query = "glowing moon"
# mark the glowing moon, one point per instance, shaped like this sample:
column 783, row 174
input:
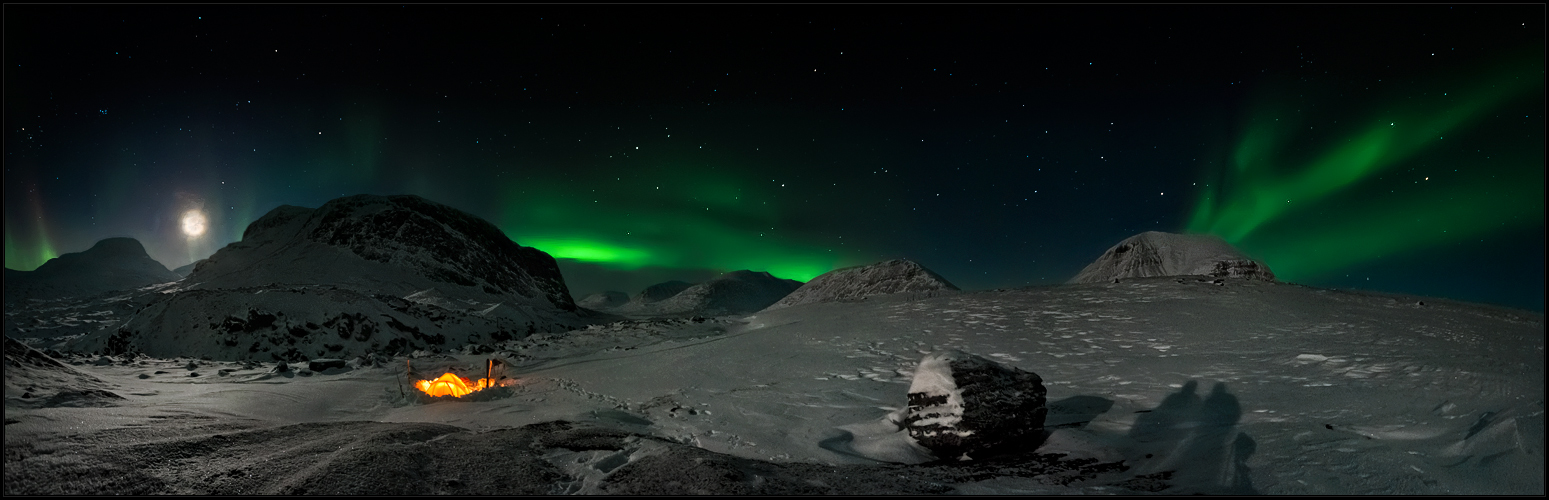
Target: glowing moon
column 193, row 223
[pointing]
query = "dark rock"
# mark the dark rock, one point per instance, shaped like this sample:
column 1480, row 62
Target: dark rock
column 280, row 367
column 1242, row 268
column 962, row 405
column 321, row 364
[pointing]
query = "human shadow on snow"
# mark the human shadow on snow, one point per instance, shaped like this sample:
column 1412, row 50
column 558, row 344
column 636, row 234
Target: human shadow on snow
column 1194, row 443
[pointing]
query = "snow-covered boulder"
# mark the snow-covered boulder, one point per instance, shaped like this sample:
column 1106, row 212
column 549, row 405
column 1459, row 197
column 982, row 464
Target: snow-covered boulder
column 111, row 264
column 962, row 405
column 855, row 283
column 1155, row 253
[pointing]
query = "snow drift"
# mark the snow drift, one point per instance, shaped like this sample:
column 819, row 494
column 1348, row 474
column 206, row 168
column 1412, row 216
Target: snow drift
column 34, row 379
column 1155, row 253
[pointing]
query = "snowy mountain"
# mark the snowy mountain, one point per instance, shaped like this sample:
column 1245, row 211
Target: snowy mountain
column 661, row 291
column 359, row 274
column 187, row 268
column 111, row 264
column 1155, row 253
column 856, row 283
column 389, row 244
column 604, row 300
column 646, row 302
column 736, row 292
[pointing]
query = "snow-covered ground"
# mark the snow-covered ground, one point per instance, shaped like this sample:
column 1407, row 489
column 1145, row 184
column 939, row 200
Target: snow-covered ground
column 1166, row 385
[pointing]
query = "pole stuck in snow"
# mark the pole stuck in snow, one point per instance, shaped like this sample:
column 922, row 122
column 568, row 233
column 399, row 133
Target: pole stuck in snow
column 489, row 374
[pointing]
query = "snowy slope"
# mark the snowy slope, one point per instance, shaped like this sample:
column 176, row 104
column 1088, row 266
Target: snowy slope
column 1155, row 253
column 111, row 264
column 1155, row 385
column 34, row 379
column 855, row 283
column 187, row 268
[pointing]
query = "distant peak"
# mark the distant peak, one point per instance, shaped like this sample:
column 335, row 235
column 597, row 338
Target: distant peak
column 859, row 282
column 117, row 246
column 1156, row 253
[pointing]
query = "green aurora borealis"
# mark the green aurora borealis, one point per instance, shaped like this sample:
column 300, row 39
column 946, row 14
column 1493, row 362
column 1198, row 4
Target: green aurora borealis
column 1309, row 211
column 687, row 218
column 1385, row 149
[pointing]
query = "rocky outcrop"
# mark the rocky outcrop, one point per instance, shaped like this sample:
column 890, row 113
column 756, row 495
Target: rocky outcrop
column 111, row 264
column 1154, row 253
column 297, row 323
column 736, row 292
column 962, row 405
column 856, row 283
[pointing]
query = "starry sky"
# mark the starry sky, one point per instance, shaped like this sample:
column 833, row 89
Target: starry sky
column 1388, row 148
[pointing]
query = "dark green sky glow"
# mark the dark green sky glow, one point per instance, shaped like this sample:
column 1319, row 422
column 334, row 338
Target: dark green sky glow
column 1303, row 200
column 682, row 218
column 1386, row 148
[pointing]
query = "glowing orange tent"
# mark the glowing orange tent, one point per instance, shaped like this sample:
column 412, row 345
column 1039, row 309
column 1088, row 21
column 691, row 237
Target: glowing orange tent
column 450, row 384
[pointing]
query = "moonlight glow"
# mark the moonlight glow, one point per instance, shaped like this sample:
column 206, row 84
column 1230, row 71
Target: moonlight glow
column 193, row 223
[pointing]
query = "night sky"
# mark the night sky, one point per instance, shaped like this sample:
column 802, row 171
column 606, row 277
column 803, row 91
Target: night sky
column 1391, row 148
